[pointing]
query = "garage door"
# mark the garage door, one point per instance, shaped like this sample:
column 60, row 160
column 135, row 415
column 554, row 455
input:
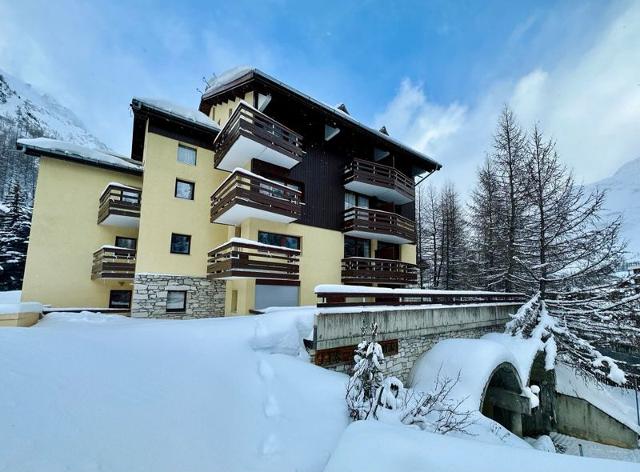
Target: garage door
column 276, row 295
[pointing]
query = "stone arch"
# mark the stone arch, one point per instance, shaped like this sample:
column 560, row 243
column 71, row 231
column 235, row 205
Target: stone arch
column 502, row 399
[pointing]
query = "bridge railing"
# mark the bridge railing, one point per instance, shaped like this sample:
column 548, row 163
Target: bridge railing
column 346, row 296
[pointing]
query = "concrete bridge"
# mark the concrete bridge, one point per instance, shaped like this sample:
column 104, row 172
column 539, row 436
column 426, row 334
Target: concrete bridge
column 407, row 333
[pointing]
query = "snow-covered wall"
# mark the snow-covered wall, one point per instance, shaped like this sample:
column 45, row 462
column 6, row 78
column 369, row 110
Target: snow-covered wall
column 416, row 329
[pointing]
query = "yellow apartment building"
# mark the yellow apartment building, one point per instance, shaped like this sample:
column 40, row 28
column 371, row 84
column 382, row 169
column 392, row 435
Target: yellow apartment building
column 250, row 201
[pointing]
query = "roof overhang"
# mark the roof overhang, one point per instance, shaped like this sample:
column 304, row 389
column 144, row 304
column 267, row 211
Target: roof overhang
column 334, row 117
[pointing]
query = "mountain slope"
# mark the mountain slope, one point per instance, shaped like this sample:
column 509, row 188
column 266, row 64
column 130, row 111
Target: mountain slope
column 623, row 198
column 35, row 112
column 27, row 112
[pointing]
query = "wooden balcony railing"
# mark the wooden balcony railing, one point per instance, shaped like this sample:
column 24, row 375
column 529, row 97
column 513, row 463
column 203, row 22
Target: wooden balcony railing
column 380, row 181
column 378, row 224
column 111, row 262
column 247, row 122
column 364, row 271
column 246, row 195
column 119, row 201
column 241, row 258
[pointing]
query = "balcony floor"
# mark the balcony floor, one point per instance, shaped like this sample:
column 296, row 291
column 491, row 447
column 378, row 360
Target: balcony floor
column 238, row 213
column 122, row 221
column 245, row 149
column 383, row 193
column 387, row 238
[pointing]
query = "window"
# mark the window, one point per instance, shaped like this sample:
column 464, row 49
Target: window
column 180, row 243
column 278, row 192
column 185, row 189
column 355, row 247
column 186, row 155
column 120, row 299
column 176, row 301
column 127, row 243
column 129, row 196
column 355, row 200
column 283, row 240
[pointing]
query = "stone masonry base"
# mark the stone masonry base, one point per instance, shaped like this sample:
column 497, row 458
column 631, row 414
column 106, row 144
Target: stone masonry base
column 410, row 349
column 205, row 298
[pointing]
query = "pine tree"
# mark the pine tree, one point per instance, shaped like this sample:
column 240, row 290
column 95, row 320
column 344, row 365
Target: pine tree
column 364, row 384
column 14, row 239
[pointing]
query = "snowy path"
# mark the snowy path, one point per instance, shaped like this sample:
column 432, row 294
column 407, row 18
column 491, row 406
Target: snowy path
column 591, row 449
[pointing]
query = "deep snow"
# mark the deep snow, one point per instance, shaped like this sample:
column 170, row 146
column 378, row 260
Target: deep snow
column 104, row 392
column 376, row 447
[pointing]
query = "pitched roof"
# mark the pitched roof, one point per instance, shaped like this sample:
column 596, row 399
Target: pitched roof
column 73, row 152
column 195, row 117
column 240, row 75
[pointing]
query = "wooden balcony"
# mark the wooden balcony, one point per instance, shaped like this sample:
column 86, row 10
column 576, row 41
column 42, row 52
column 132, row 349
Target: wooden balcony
column 120, row 206
column 250, row 134
column 377, row 180
column 365, row 271
column 244, row 259
column 246, row 195
column 111, row 262
column 377, row 224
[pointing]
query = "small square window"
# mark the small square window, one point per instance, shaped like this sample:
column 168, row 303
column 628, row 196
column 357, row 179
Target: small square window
column 180, row 243
column 184, row 189
column 186, row 155
column 176, row 301
column 120, row 299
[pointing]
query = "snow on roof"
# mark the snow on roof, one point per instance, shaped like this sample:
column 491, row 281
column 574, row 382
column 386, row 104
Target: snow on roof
column 373, row 446
column 224, row 79
column 79, row 153
column 616, row 402
column 329, row 288
column 524, row 351
column 474, row 359
column 179, row 111
column 253, row 243
column 14, row 308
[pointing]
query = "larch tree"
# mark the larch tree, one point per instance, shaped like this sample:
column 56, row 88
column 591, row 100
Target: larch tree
column 15, row 227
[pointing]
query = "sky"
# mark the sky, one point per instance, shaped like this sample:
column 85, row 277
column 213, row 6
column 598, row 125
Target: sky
column 436, row 73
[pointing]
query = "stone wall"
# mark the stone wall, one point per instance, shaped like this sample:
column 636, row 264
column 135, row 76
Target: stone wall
column 205, row 298
column 417, row 330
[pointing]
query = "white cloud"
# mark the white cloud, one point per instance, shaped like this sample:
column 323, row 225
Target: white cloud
column 589, row 102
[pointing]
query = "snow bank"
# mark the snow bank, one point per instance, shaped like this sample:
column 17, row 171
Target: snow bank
column 80, row 153
column 179, row 111
column 474, row 359
column 12, row 308
column 105, row 392
column 376, row 447
column 12, row 296
column 617, row 402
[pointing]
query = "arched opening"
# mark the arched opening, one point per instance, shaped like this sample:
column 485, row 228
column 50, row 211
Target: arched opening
column 543, row 419
column 503, row 401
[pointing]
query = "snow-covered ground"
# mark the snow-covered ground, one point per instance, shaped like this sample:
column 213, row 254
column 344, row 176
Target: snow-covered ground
column 103, row 392
column 570, row 445
column 99, row 392
column 372, row 446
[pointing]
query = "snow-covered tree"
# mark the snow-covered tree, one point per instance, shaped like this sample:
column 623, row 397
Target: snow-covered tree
column 15, row 226
column 363, row 385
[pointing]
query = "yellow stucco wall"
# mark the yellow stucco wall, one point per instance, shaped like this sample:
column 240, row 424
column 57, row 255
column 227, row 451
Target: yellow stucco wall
column 408, row 253
column 162, row 213
column 65, row 234
column 221, row 112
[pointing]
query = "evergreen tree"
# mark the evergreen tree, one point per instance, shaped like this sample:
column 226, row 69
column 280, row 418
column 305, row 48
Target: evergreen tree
column 15, row 226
